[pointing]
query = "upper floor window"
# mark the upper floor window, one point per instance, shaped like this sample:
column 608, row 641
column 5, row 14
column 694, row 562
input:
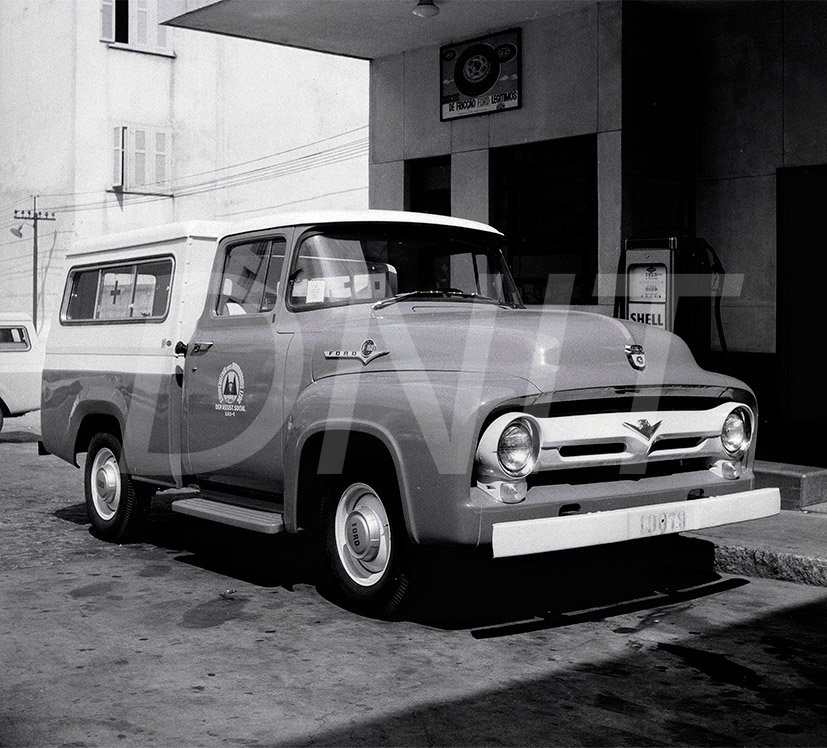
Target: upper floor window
column 134, row 23
column 140, row 156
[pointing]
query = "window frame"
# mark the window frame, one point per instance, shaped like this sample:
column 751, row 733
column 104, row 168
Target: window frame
column 101, row 266
column 305, row 232
column 282, row 234
column 22, row 347
column 141, row 18
column 125, row 152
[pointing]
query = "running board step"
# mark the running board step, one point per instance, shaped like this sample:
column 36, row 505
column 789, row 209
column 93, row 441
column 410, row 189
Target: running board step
column 269, row 523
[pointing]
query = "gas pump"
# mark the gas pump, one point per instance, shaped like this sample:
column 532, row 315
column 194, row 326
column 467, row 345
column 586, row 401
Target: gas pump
column 669, row 280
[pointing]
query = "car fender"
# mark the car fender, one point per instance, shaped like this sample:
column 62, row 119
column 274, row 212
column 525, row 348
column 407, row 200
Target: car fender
column 429, row 422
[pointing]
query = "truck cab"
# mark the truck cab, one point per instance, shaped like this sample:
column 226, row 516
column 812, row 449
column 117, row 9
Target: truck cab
column 374, row 378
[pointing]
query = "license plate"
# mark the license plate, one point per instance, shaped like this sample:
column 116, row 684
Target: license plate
column 661, row 523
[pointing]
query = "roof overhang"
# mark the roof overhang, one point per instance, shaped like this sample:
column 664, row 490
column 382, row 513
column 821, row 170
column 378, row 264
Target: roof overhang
column 366, row 29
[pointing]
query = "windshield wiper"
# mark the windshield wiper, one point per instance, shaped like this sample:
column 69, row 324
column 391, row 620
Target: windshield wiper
column 445, row 292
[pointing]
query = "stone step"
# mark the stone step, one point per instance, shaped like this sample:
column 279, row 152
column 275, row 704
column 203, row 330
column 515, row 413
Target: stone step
column 801, row 486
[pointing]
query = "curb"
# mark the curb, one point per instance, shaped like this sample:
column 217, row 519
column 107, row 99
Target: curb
column 770, row 564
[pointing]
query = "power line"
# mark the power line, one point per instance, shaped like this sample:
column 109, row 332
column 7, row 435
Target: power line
column 225, row 168
column 345, row 152
column 294, row 202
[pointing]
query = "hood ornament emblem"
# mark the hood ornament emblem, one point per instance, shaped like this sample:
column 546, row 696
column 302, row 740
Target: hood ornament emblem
column 636, row 356
column 367, row 352
column 644, row 428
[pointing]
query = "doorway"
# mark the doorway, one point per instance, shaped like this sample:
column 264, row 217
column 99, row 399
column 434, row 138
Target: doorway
column 801, row 317
column 543, row 197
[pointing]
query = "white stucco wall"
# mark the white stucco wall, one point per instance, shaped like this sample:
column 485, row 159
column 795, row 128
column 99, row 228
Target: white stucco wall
column 254, row 127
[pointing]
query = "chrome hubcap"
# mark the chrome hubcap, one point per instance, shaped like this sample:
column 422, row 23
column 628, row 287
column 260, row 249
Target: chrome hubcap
column 106, row 484
column 362, row 530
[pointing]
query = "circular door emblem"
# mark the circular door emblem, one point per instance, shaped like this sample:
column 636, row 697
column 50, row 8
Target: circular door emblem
column 231, row 385
column 368, row 348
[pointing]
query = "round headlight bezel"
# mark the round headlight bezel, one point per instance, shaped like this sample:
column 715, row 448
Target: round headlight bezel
column 731, row 426
column 519, row 428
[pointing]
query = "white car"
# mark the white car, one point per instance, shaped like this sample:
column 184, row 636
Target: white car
column 21, row 366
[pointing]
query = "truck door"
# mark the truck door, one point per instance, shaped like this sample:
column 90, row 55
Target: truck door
column 233, row 373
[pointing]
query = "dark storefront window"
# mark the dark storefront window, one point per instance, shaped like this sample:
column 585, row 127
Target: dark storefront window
column 543, row 197
column 428, row 185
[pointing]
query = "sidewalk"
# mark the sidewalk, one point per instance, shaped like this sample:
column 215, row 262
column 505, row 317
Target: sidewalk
column 791, row 547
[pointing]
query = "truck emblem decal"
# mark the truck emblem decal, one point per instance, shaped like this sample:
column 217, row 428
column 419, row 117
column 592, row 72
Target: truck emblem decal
column 231, row 390
column 644, row 428
column 366, row 353
column 636, row 356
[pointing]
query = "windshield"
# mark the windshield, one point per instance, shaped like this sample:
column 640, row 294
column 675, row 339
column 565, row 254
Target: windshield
column 383, row 263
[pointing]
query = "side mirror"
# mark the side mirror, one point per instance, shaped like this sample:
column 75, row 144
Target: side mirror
column 180, row 348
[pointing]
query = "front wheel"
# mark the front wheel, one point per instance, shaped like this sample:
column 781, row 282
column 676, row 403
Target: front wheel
column 366, row 548
column 116, row 505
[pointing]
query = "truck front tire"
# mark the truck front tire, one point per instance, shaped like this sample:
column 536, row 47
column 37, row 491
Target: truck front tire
column 366, row 548
column 116, row 505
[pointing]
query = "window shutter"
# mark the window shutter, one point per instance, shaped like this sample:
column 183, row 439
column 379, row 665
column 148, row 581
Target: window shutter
column 119, row 158
column 141, row 22
column 107, row 20
column 161, row 156
column 139, row 158
column 161, row 32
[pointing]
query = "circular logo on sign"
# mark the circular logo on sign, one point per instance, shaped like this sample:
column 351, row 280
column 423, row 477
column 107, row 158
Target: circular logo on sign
column 231, row 384
column 476, row 70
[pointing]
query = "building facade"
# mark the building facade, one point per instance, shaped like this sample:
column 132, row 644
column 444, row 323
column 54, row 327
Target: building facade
column 696, row 119
column 116, row 122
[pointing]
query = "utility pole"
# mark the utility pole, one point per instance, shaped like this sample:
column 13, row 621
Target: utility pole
column 35, row 216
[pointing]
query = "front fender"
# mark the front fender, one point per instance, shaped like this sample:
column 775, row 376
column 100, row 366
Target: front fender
column 429, row 422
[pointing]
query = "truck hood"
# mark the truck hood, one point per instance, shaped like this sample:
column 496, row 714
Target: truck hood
column 550, row 348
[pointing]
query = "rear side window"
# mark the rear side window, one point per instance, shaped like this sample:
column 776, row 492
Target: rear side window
column 14, row 338
column 132, row 292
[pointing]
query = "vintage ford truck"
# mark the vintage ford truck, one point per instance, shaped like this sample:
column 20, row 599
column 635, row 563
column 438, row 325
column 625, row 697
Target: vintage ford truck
column 374, row 378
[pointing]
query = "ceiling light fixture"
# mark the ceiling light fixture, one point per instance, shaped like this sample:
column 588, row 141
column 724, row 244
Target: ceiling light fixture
column 425, row 9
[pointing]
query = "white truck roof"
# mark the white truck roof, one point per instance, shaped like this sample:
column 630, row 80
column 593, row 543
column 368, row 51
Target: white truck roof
column 212, row 230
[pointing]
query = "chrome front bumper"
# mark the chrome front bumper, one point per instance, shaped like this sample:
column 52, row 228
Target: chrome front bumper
column 523, row 537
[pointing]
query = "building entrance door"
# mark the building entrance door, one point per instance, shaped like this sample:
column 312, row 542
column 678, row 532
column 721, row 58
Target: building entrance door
column 802, row 314
column 543, row 197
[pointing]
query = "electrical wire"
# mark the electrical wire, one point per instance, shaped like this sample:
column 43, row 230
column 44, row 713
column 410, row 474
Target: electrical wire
column 182, row 178
column 294, row 202
column 327, row 157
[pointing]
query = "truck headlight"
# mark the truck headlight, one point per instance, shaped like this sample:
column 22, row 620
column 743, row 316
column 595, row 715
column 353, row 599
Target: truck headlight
column 737, row 431
column 518, row 448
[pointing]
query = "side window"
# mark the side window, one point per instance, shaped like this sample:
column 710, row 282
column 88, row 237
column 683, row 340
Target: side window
column 14, row 339
column 250, row 278
column 132, row 292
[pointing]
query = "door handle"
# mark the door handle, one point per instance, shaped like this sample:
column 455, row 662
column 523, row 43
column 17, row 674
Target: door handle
column 201, row 346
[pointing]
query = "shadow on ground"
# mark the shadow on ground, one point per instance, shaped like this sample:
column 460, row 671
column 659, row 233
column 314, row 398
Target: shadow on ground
column 461, row 589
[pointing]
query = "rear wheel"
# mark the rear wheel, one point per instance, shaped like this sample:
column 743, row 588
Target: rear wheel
column 368, row 556
column 117, row 506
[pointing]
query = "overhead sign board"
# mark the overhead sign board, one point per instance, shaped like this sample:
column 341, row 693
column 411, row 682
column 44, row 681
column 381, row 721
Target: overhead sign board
column 481, row 76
